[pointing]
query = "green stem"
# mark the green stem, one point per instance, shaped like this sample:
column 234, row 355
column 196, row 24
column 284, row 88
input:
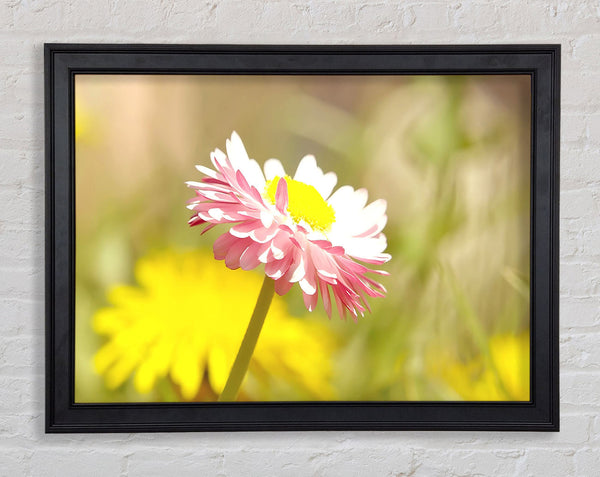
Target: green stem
column 242, row 360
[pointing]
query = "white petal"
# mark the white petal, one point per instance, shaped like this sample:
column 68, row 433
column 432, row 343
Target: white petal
column 254, row 175
column 277, row 254
column 350, row 216
column 194, row 184
column 325, row 273
column 340, row 198
column 211, row 195
column 326, row 184
column 217, row 157
column 263, row 256
column 387, row 257
column 372, row 215
column 307, row 169
column 273, row 168
column 298, row 272
column 237, row 234
column 375, row 209
column 266, row 218
column 307, row 287
column 236, row 151
column 216, row 213
column 365, row 247
column 360, row 198
column 207, row 172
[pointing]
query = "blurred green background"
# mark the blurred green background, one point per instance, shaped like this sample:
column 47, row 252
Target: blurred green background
column 450, row 154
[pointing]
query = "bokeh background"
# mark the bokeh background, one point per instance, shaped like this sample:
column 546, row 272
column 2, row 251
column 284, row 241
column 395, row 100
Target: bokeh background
column 158, row 319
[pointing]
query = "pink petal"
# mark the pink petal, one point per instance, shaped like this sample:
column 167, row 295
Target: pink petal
column 326, row 299
column 195, row 220
column 281, row 245
column 281, row 196
column 262, row 234
column 223, row 244
column 282, row 286
column 207, row 228
column 310, row 301
column 309, row 282
column 232, row 259
column 277, row 268
column 249, row 259
column 244, row 229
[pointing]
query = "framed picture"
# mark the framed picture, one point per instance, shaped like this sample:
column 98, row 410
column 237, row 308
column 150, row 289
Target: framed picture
column 301, row 237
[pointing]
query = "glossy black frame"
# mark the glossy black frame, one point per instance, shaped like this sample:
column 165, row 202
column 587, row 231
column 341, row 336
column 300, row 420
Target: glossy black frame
column 63, row 61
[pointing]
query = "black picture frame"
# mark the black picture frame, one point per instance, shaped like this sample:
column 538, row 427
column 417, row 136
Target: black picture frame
column 63, row 61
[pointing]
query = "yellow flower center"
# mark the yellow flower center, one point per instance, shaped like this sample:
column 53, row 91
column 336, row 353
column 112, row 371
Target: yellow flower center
column 304, row 203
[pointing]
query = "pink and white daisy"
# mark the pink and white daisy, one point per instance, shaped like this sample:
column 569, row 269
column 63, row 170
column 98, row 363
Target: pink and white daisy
column 296, row 227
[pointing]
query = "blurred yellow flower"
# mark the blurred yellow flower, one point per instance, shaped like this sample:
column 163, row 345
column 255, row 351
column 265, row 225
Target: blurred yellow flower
column 477, row 380
column 185, row 321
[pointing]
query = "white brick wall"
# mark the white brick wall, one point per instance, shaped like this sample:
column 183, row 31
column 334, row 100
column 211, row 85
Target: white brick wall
column 27, row 24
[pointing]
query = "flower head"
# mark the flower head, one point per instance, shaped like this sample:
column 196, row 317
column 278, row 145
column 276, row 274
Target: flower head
column 169, row 326
column 301, row 231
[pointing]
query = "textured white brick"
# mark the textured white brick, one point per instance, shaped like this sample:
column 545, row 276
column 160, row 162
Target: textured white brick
column 477, row 16
column 333, row 16
column 60, row 462
column 6, row 15
column 468, row 462
column 258, row 18
column 21, row 283
column 583, row 167
column 580, row 350
column 20, row 248
column 26, row 24
column 593, row 129
column 595, row 430
column 21, row 55
column 20, row 395
column 35, row 16
column 181, row 463
column 360, row 461
column 380, row 17
column 28, row 89
column 576, row 312
column 21, row 317
column 15, row 462
column 177, row 15
column 25, row 206
column 575, row 204
column 585, row 52
column 21, row 429
column 587, row 461
column 591, row 241
column 574, row 429
column 21, row 354
column 430, row 16
column 582, row 90
column 20, row 168
column 580, row 279
column 580, row 388
column 90, row 14
column 550, row 18
column 22, row 129
column 548, row 462
column 574, row 128
column 573, row 240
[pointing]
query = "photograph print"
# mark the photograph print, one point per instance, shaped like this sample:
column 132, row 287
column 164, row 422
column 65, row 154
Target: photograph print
column 274, row 238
